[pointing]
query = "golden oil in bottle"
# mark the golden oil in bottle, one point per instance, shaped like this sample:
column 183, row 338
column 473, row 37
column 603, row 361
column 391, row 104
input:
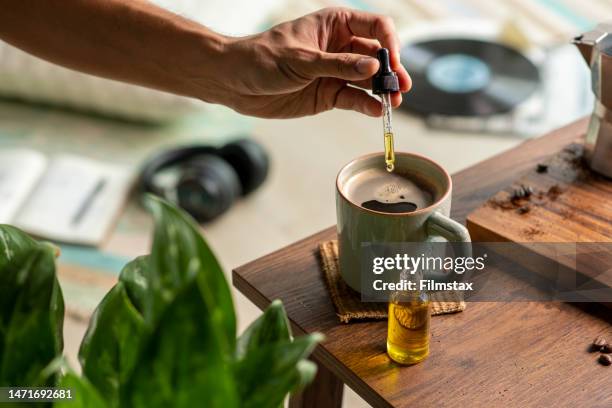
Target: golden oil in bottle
column 409, row 328
column 389, row 152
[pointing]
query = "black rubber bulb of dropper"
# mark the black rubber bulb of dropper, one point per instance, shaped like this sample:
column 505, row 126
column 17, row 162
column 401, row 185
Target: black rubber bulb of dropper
column 383, row 57
column 385, row 80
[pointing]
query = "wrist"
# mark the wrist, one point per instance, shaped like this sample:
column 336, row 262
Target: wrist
column 198, row 63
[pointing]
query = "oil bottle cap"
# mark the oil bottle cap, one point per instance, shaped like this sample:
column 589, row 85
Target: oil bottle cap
column 385, row 80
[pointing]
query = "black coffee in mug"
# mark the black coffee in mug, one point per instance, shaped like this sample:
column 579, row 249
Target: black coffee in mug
column 381, row 191
column 399, row 207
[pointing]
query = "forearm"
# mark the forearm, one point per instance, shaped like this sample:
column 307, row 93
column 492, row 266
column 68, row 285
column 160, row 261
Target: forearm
column 132, row 41
column 297, row 68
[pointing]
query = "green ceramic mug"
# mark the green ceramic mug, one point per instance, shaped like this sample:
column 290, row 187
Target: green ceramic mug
column 357, row 225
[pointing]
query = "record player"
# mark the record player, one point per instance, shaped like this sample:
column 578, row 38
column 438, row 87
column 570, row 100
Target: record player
column 470, row 76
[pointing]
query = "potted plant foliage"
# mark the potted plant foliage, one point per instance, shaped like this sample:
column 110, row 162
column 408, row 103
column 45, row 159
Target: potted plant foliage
column 163, row 336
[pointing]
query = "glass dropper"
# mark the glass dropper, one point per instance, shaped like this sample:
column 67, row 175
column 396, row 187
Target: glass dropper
column 388, row 132
column 384, row 83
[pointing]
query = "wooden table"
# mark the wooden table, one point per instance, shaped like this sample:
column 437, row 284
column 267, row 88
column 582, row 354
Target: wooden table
column 493, row 354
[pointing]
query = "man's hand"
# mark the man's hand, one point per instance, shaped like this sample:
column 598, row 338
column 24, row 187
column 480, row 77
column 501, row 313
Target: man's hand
column 298, row 68
column 303, row 67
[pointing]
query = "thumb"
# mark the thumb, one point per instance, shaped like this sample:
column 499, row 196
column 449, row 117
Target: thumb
column 346, row 66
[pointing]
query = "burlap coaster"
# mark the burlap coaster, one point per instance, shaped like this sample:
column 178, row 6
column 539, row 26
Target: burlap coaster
column 348, row 302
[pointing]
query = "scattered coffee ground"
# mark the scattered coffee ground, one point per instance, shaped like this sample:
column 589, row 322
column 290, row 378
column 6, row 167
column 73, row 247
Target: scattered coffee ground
column 532, row 232
column 598, row 343
column 524, row 209
column 542, row 168
column 554, row 192
column 520, row 197
column 515, row 200
column 573, row 156
column 502, row 204
column 605, row 359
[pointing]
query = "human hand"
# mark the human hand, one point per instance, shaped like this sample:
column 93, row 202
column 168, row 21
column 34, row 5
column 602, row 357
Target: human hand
column 304, row 67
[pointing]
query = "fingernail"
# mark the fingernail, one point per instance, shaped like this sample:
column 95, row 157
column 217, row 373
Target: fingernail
column 364, row 65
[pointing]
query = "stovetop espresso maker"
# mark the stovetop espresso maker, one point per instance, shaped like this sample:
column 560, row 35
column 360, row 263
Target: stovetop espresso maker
column 596, row 48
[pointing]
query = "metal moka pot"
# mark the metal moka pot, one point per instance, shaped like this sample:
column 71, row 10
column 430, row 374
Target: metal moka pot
column 596, row 48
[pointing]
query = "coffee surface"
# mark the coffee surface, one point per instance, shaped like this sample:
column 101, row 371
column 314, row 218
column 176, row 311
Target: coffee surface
column 401, row 207
column 378, row 190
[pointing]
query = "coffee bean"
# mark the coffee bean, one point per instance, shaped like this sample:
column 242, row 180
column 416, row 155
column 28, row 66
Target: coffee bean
column 606, row 348
column 605, row 359
column 524, row 209
column 522, row 191
column 517, row 193
column 598, row 343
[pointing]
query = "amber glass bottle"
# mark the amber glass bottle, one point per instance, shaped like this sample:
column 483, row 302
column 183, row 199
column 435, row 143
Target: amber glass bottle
column 409, row 327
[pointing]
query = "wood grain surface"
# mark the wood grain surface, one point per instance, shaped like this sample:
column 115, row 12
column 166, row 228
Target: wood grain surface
column 494, row 354
column 568, row 204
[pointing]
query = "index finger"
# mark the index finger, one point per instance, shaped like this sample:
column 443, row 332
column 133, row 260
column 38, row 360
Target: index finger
column 382, row 28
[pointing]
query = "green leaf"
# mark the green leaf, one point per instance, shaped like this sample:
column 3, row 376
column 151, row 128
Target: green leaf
column 84, row 395
column 183, row 365
column 32, row 309
column 268, row 338
column 187, row 330
column 134, row 276
column 306, row 372
column 116, row 333
column 271, row 327
column 269, row 373
column 15, row 248
column 112, row 344
column 180, row 255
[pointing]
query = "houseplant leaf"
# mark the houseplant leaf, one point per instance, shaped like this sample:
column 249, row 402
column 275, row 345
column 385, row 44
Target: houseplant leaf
column 112, row 344
column 179, row 255
column 183, row 364
column 116, row 332
column 305, row 372
column 268, row 373
column 134, row 276
column 84, row 395
column 180, row 354
column 32, row 309
column 271, row 327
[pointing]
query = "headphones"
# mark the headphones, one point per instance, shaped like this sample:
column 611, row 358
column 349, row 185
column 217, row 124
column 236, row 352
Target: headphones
column 210, row 179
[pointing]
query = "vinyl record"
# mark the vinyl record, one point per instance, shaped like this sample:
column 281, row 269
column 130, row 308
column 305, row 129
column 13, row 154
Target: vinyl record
column 465, row 77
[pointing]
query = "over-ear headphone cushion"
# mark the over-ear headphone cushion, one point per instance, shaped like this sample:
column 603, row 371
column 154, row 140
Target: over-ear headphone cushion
column 250, row 161
column 208, row 187
column 166, row 159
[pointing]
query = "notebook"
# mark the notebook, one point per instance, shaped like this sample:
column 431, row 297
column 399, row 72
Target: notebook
column 66, row 198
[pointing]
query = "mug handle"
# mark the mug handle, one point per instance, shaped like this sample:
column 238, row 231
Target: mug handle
column 441, row 228
column 439, row 225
